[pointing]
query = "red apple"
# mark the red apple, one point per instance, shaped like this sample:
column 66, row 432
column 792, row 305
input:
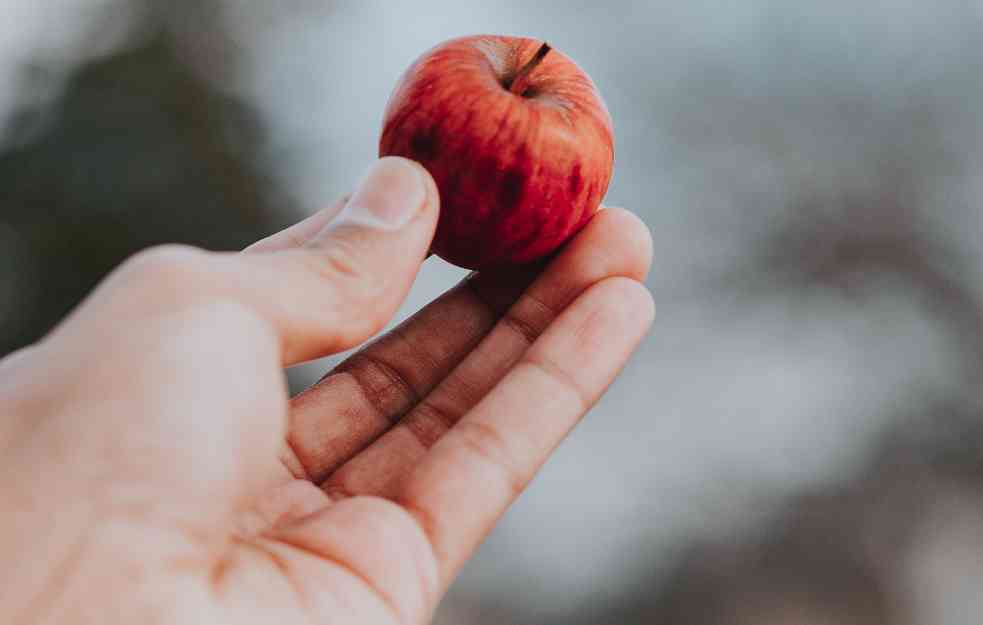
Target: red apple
column 517, row 138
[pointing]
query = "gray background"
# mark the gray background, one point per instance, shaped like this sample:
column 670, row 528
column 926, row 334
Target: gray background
column 810, row 172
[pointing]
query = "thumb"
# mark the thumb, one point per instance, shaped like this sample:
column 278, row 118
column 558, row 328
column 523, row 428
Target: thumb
column 332, row 291
column 346, row 281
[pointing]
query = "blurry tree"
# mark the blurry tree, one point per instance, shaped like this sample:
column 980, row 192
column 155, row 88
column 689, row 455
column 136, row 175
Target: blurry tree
column 139, row 150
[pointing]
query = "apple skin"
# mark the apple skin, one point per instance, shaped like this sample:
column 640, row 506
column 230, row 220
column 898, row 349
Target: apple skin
column 518, row 175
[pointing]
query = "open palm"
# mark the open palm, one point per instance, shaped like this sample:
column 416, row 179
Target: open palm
column 157, row 472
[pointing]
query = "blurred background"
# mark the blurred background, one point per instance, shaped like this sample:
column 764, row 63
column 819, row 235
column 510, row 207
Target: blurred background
column 799, row 441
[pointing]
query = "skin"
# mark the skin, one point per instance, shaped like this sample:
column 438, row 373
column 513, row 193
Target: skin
column 519, row 173
column 153, row 469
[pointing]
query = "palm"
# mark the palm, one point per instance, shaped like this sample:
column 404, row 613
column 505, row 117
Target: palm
column 398, row 462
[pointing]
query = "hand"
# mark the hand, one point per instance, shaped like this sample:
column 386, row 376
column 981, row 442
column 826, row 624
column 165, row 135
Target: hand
column 153, row 470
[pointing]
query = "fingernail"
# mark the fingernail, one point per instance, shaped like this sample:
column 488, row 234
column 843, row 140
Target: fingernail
column 390, row 194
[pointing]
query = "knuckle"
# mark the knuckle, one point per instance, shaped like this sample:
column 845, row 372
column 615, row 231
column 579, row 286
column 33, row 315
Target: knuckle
column 164, row 257
column 168, row 268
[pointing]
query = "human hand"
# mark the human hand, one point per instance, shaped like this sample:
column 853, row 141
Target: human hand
column 155, row 471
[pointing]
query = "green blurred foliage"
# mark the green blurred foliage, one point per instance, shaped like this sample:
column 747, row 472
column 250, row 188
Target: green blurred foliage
column 138, row 151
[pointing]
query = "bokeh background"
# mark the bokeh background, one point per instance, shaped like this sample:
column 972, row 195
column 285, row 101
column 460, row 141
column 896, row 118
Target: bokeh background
column 800, row 439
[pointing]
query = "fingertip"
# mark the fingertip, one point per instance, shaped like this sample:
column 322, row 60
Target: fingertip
column 392, row 194
column 431, row 204
column 363, row 263
column 614, row 243
column 648, row 307
column 627, row 231
column 631, row 298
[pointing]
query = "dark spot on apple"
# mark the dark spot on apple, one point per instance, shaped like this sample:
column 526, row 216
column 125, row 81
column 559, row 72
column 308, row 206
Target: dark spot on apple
column 424, row 145
column 575, row 182
column 486, row 172
column 512, row 188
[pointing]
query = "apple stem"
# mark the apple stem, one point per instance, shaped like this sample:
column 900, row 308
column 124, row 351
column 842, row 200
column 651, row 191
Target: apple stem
column 520, row 83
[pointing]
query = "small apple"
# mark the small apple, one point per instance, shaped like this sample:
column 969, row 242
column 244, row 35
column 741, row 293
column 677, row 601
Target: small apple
column 516, row 137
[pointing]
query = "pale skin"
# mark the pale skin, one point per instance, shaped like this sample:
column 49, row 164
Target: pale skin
column 154, row 470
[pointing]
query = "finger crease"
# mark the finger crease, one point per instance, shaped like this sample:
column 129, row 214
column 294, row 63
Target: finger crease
column 550, row 312
column 427, row 423
column 526, row 331
column 396, row 380
column 512, row 319
column 487, row 443
column 336, row 492
column 387, row 600
column 421, row 355
column 563, row 378
column 295, row 240
column 427, row 523
column 290, row 459
column 281, row 564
